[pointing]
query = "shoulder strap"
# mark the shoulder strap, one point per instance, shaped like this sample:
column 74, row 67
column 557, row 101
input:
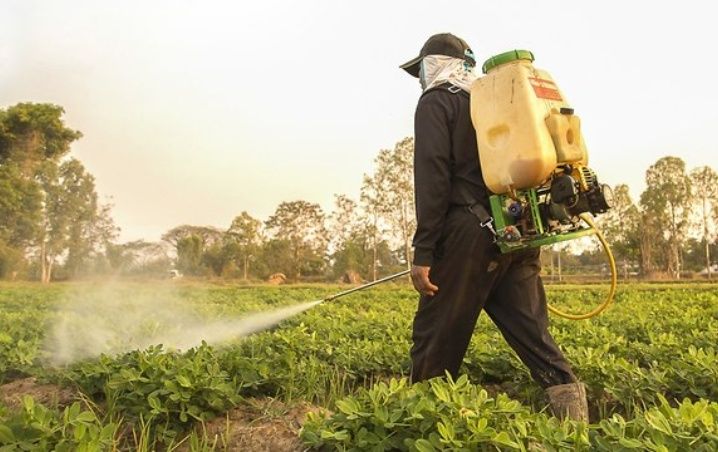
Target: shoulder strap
column 485, row 218
column 447, row 86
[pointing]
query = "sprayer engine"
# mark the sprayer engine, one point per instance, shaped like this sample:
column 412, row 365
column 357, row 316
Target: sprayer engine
column 571, row 192
column 551, row 212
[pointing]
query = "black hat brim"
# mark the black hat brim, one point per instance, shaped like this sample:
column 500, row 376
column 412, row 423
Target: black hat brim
column 412, row 66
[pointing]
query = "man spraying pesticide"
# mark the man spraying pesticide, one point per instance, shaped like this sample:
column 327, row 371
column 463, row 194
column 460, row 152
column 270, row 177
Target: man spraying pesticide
column 500, row 169
column 530, row 173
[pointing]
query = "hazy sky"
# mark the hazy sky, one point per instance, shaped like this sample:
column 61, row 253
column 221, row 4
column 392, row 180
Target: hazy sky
column 195, row 111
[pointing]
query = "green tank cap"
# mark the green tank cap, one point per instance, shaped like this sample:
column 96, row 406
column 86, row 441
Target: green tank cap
column 506, row 57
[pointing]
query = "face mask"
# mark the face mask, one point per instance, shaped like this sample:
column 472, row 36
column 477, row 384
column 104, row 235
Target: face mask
column 437, row 69
column 422, row 78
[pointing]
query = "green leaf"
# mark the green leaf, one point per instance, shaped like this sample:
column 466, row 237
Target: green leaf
column 79, row 432
column 86, row 416
column 341, row 435
column 184, row 381
column 659, row 422
column 503, row 438
column 108, row 431
column 6, row 434
column 423, row 445
column 631, row 443
column 155, row 403
column 446, row 430
column 348, row 406
column 440, row 391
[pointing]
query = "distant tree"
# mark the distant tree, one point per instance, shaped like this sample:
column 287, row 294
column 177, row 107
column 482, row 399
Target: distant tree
column 52, row 235
column 694, row 254
column 667, row 201
column 357, row 244
column 653, row 243
column 11, row 260
column 243, row 241
column 217, row 258
column 393, row 182
column 275, row 256
column 190, row 251
column 208, row 235
column 621, row 225
column 33, row 139
column 705, row 192
column 74, row 224
column 120, row 257
column 372, row 206
column 138, row 257
column 302, row 225
column 89, row 227
column 359, row 254
column 190, row 243
column 31, row 134
column 20, row 206
column 343, row 221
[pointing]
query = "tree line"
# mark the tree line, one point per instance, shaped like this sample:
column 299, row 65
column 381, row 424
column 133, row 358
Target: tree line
column 359, row 239
column 672, row 228
column 50, row 215
column 52, row 225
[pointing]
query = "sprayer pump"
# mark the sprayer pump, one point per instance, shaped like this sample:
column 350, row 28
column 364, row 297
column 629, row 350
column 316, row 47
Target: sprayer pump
column 550, row 213
column 534, row 159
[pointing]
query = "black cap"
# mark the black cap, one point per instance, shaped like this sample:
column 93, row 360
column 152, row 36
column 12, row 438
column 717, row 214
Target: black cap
column 441, row 44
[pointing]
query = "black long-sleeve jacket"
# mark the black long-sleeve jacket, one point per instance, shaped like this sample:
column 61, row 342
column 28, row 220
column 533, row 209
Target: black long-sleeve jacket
column 446, row 164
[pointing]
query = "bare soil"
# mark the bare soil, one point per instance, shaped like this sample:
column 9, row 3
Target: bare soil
column 11, row 394
column 261, row 425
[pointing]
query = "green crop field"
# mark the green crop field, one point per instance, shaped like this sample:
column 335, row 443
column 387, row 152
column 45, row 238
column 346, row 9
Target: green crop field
column 334, row 377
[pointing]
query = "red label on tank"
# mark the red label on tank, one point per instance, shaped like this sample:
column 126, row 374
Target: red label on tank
column 545, row 89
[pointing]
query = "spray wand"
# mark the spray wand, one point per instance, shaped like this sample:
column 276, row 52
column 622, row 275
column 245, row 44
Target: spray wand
column 365, row 286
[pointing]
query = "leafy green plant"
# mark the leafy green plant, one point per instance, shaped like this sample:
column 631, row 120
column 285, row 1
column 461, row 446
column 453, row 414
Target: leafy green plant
column 690, row 426
column 172, row 390
column 443, row 414
column 39, row 428
column 436, row 415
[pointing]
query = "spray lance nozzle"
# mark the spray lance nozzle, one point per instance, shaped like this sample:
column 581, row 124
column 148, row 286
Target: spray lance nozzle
column 365, row 286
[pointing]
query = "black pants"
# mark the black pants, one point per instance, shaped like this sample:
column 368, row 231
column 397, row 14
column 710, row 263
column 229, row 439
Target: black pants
column 472, row 275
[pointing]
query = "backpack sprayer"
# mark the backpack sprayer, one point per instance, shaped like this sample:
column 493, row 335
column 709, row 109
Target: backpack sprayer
column 534, row 161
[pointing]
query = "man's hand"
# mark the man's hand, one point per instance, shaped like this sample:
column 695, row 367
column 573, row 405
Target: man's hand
column 420, row 278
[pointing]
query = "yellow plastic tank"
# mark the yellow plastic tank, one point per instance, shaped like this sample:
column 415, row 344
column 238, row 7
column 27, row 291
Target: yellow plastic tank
column 524, row 124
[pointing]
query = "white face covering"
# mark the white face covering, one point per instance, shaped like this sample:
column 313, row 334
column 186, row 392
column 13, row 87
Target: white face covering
column 437, row 69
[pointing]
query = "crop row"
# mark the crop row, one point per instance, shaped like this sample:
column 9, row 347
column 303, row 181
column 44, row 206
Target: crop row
column 653, row 349
column 460, row 416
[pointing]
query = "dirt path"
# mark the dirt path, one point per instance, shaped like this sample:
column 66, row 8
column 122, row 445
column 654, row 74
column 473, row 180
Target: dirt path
column 50, row 395
column 261, row 425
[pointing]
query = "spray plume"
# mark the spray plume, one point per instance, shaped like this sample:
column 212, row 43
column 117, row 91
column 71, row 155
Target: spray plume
column 113, row 319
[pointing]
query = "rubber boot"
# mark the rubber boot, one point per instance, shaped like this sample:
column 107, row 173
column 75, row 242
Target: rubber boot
column 569, row 401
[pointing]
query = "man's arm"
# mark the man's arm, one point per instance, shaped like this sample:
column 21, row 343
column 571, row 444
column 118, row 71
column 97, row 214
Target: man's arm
column 432, row 181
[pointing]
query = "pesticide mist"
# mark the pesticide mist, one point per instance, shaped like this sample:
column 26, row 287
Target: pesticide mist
column 112, row 319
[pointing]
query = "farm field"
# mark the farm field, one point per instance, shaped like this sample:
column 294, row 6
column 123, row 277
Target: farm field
column 334, row 377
